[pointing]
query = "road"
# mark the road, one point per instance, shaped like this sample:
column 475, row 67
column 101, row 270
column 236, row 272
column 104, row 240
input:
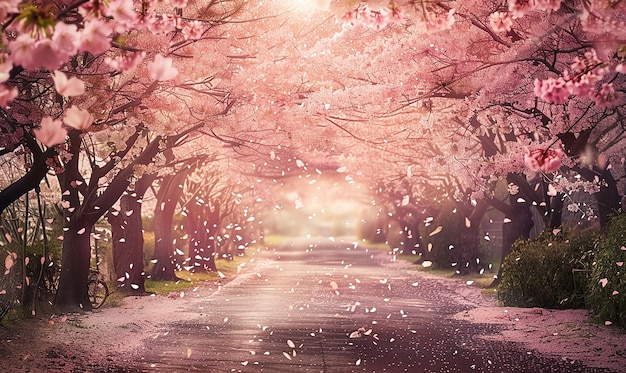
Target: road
column 331, row 306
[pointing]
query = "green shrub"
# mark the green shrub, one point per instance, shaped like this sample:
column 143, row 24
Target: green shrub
column 539, row 272
column 607, row 285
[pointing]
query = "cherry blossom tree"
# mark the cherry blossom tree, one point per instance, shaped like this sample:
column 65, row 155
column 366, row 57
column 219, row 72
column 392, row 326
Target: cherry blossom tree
column 473, row 93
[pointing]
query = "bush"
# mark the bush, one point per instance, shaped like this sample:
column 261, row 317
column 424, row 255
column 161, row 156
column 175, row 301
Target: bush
column 539, row 272
column 607, row 285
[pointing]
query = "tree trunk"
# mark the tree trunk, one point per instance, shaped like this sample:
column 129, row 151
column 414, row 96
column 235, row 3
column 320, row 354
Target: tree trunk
column 556, row 211
column 127, row 230
column 202, row 237
column 468, row 243
column 167, row 199
column 72, row 295
column 128, row 246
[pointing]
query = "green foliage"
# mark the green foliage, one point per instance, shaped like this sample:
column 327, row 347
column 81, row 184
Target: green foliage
column 538, row 272
column 607, row 285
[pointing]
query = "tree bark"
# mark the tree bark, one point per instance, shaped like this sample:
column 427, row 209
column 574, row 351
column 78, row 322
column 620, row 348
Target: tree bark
column 167, row 198
column 202, row 227
column 127, row 230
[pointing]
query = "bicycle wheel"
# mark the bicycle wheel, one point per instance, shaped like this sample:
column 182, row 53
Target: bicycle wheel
column 98, row 292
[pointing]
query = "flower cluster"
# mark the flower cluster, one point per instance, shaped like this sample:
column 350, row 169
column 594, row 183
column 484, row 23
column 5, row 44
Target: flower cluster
column 580, row 80
column 375, row 18
column 546, row 160
column 41, row 41
column 519, row 8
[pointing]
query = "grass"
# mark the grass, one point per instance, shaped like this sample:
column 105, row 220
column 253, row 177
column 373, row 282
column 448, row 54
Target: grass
column 479, row 280
column 189, row 280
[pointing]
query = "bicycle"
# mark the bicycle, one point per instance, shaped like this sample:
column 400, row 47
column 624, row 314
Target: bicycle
column 97, row 290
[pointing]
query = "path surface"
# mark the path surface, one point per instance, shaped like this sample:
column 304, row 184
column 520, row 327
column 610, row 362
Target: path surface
column 297, row 313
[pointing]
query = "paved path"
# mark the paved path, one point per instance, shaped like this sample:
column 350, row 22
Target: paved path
column 297, row 313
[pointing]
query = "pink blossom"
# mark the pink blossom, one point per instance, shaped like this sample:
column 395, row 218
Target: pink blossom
column 178, row 3
column 7, row 7
column 606, row 96
column 51, row 132
column 45, row 53
column 349, row 17
column 67, row 38
column 551, row 5
column 379, row 19
column 67, row 87
column 552, row 90
column 500, row 21
column 21, row 51
column 126, row 61
column 439, row 22
column 620, row 68
column 192, row 30
column 5, row 71
column 95, row 37
column 519, row 8
column 397, row 13
column 548, row 160
column 580, row 84
column 77, row 118
column 161, row 68
column 123, row 13
column 166, row 23
column 7, row 94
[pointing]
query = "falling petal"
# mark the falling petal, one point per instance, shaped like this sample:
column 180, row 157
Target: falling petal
column 220, row 274
column 615, row 292
column 521, row 200
column 551, row 190
column 334, row 285
column 299, row 163
column 188, row 353
column 604, row 281
column 437, row 230
column 470, row 282
column 8, row 262
column 556, row 231
column 506, row 220
column 619, row 264
column 81, row 231
column 290, row 343
column 287, row 355
column 342, row 169
column 607, row 323
column 415, row 283
column 427, row 263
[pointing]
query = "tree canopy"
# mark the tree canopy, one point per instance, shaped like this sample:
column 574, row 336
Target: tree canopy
column 420, row 100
